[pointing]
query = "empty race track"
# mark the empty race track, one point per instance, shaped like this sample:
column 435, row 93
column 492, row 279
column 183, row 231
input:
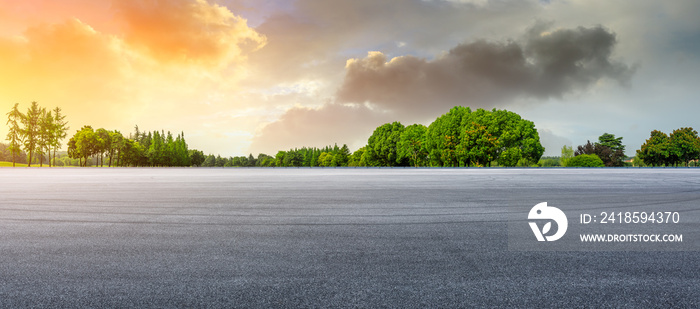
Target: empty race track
column 100, row 237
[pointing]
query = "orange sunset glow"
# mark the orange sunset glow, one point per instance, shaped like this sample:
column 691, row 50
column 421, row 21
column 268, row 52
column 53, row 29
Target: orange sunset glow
column 168, row 64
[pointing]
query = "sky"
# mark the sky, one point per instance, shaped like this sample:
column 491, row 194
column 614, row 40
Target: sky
column 245, row 76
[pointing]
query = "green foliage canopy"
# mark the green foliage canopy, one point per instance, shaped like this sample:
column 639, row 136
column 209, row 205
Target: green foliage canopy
column 465, row 138
column 14, row 135
column 411, row 145
column 567, row 152
column 608, row 148
column 585, row 160
column 681, row 146
column 684, row 145
column 382, row 145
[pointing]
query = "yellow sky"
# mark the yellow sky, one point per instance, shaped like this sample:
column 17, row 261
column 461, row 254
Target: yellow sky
column 172, row 65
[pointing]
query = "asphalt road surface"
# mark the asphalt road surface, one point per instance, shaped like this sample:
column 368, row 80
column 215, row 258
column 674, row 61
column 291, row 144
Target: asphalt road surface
column 143, row 238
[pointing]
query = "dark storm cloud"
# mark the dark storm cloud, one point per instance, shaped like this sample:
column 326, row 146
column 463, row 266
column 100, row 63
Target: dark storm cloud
column 478, row 74
column 570, row 59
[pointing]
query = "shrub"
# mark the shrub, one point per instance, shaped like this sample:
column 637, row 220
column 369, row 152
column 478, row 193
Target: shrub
column 585, row 160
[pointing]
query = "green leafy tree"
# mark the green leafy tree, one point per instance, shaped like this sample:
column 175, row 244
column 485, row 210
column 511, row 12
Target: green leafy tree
column 684, row 145
column 517, row 138
column 228, row 162
column 510, row 157
column 342, row 156
column 251, row 160
column 311, row 157
column 220, row 162
column 443, row 136
column 59, row 131
column 181, row 152
column 293, row 158
column 73, row 149
column 168, row 150
column 155, row 149
column 567, row 152
column 655, row 150
column 31, row 130
column 411, row 145
column 382, row 145
column 210, row 161
column 586, row 160
column 611, row 150
column 45, row 136
column 83, row 145
column 609, row 140
column 477, row 147
column 130, row 153
column 113, row 145
column 322, row 159
column 14, row 135
column 240, row 161
column 265, row 160
column 197, row 157
column 103, row 144
column 610, row 156
column 279, row 158
column 325, row 159
column 356, row 158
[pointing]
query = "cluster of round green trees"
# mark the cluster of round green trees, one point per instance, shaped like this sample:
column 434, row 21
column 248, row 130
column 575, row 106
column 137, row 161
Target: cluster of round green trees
column 460, row 138
column 680, row 147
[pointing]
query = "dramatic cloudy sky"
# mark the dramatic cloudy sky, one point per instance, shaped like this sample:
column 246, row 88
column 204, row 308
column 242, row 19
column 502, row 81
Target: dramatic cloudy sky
column 251, row 76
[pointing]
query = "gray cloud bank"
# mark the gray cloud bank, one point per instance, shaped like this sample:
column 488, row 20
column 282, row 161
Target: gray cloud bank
column 542, row 65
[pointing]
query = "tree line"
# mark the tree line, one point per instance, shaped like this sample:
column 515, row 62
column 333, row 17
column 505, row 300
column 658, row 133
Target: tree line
column 140, row 149
column 681, row 147
column 329, row 156
column 459, row 138
column 36, row 132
